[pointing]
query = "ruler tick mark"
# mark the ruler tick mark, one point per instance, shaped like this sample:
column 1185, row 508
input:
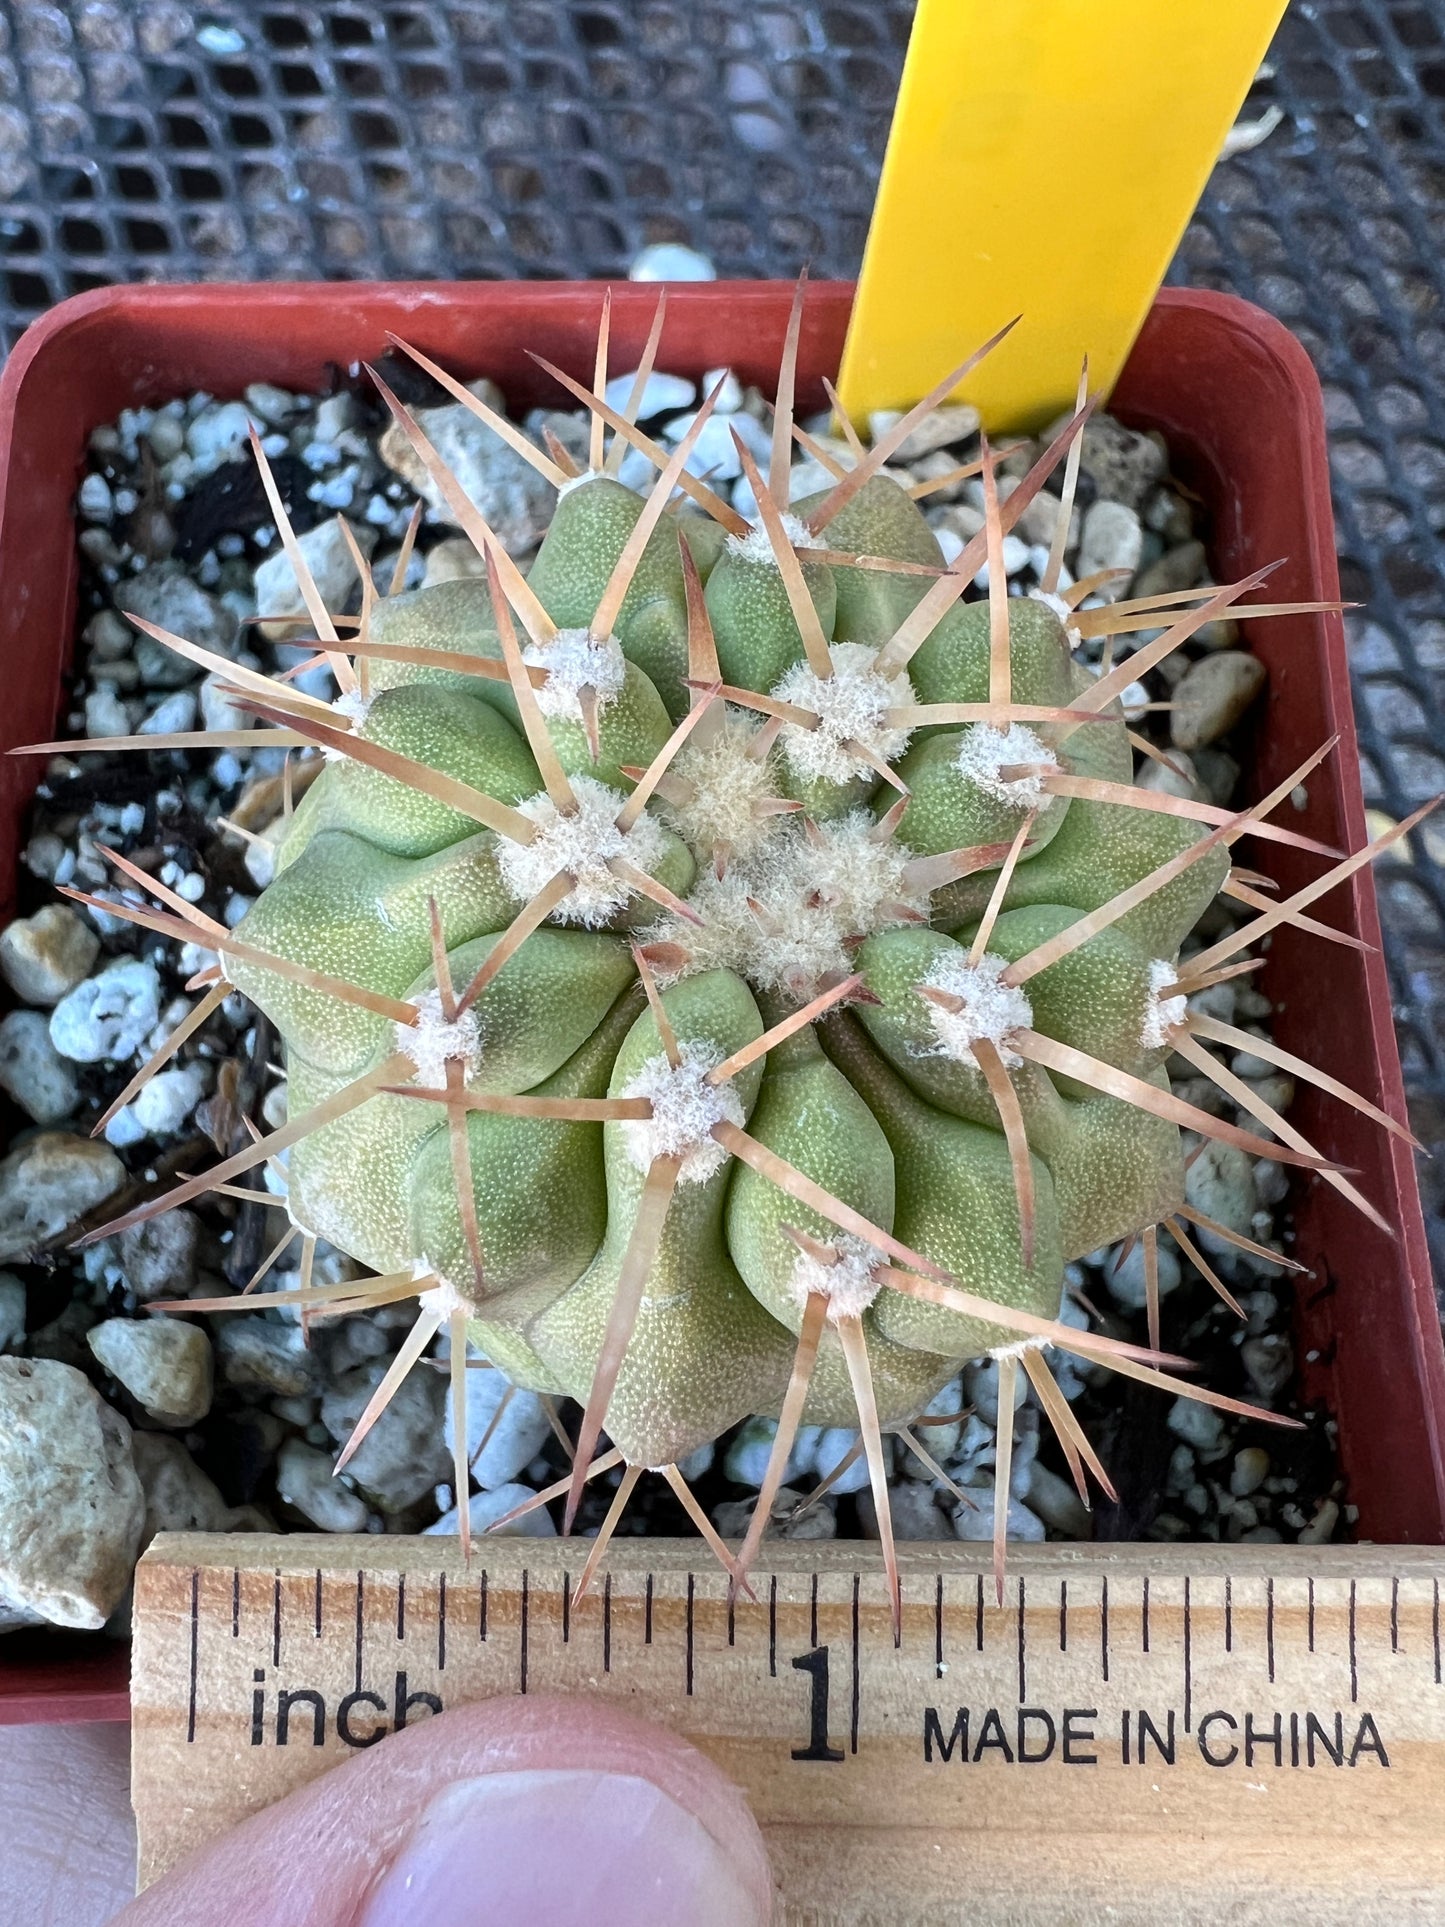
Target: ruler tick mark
column 1354, row 1656
column 1229, row 1614
column 1103, row 1625
column 235, row 1602
column 1023, row 1635
column 276, row 1621
column 482, row 1608
column 1269, row 1624
column 1063, row 1615
column 401, row 1606
column 857, row 1677
column 813, row 1614
column 441, row 1622
column 1144, row 1621
column 607, row 1623
column 647, row 1613
column 195, row 1651
column 1311, row 1627
column 732, row 1620
column 1435, row 1630
column 521, row 1654
column 360, row 1623
column 978, row 1617
column 690, row 1587
column 1188, row 1662
column 773, row 1625
column 566, row 1608
column 1395, row 1615
column 316, row 1618
column 938, row 1627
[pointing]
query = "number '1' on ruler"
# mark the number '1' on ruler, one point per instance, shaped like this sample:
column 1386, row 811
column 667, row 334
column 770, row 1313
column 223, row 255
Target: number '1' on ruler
column 1140, row 1733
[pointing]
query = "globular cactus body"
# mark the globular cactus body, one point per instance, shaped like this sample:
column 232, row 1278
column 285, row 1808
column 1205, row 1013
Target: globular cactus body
column 701, row 1055
column 894, row 1123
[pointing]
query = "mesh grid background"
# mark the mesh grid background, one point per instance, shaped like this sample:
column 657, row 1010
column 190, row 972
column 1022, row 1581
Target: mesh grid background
column 154, row 140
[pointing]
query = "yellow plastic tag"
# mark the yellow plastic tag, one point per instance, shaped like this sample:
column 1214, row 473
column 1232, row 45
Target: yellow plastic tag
column 1045, row 158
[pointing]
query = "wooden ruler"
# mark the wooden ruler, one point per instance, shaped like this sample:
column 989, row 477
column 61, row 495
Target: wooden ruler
column 1140, row 1733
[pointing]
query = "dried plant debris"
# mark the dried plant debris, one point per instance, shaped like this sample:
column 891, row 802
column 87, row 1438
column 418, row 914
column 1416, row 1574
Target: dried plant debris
column 657, row 937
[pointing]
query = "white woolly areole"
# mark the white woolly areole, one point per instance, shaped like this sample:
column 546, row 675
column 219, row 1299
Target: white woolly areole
column 576, row 481
column 574, row 660
column 755, row 546
column 861, row 882
column 438, row 1292
column 727, row 787
column 684, row 1110
column 1056, row 605
column 848, row 1283
column 1162, row 1013
column 354, row 706
column 431, row 1041
column 581, row 843
column 726, row 938
column 442, row 1298
column 850, row 705
column 1018, row 1349
column 991, row 1010
column 785, row 919
column 984, row 751
column 797, row 954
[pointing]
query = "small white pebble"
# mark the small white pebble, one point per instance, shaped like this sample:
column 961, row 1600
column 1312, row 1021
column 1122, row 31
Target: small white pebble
column 220, row 40
column 1198, row 1425
column 105, row 713
column 173, row 713
column 335, row 494
column 94, row 499
column 730, row 397
column 660, row 393
column 1134, row 700
column 1250, row 1469
column 1321, row 1527
column 1015, row 560
column 671, row 261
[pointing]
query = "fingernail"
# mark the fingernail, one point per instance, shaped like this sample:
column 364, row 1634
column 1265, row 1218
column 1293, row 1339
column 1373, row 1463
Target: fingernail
column 544, row 1847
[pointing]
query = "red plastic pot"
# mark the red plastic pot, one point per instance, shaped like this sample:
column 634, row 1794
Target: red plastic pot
column 1239, row 402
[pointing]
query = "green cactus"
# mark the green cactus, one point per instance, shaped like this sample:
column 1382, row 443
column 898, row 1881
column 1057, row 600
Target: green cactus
column 699, row 1056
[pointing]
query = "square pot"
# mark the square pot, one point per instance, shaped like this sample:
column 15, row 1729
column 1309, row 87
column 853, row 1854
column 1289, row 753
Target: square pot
column 1238, row 400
